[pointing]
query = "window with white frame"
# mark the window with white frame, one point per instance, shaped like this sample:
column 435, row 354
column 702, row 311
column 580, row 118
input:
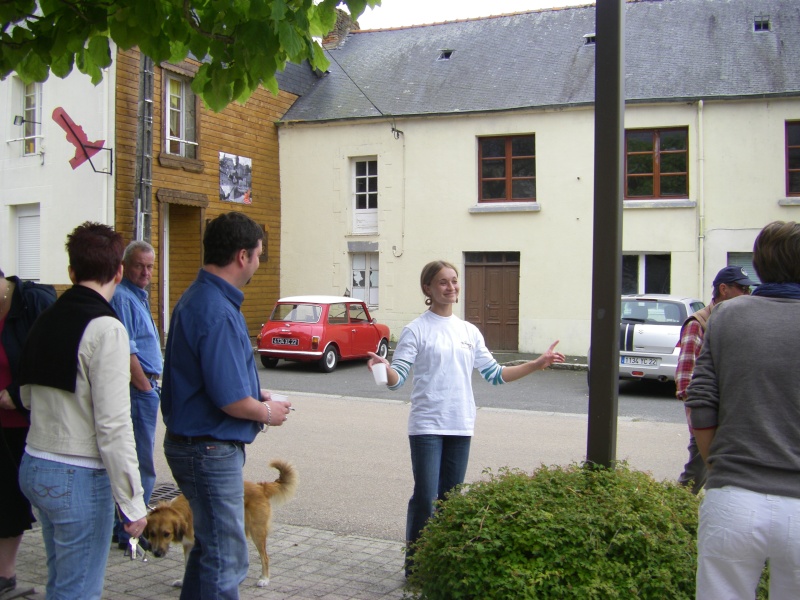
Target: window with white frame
column 181, row 117
column 365, row 195
column 365, row 277
column 28, row 241
column 32, row 115
column 646, row 273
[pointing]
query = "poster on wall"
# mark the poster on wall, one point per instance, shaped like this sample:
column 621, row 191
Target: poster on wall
column 235, row 178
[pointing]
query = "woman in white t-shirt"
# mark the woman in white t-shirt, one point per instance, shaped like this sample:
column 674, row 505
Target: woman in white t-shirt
column 443, row 350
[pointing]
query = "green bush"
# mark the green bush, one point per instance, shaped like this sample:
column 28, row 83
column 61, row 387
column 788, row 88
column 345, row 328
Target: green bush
column 563, row 532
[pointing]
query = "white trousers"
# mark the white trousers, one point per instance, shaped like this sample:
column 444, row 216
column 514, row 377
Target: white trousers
column 739, row 531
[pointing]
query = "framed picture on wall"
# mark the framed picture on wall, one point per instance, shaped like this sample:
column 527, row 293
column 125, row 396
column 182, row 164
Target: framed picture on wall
column 235, row 178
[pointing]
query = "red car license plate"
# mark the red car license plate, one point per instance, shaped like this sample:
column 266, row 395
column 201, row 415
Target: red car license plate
column 285, row 341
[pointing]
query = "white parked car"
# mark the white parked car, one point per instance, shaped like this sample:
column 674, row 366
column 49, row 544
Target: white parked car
column 649, row 334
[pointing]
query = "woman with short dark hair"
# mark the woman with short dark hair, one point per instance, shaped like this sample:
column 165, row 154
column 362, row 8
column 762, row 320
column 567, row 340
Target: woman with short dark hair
column 80, row 455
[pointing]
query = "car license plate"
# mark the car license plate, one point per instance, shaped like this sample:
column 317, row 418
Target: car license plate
column 641, row 361
column 285, row 341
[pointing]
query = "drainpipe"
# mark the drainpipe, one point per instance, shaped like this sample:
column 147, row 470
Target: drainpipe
column 109, row 85
column 701, row 207
column 395, row 252
column 142, row 194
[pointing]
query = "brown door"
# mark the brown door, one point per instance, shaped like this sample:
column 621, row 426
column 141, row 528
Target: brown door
column 492, row 304
column 181, row 253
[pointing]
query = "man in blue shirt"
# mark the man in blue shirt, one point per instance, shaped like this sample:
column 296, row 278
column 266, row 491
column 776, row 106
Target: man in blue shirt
column 213, row 405
column 132, row 304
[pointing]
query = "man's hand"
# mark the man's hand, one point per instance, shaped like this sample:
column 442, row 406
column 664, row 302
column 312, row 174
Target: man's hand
column 278, row 409
column 278, row 412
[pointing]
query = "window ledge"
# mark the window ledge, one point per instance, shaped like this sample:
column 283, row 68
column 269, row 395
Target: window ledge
column 793, row 201
column 173, row 161
column 685, row 203
column 505, row 207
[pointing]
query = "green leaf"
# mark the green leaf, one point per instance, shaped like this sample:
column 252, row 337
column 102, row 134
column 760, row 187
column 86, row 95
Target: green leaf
column 13, row 12
column 198, row 45
column 123, row 34
column 259, row 9
column 177, row 51
column 272, row 85
column 321, row 19
column 85, row 63
column 50, row 6
column 200, row 80
column 150, row 16
column 291, row 43
column 99, row 49
column 319, row 60
column 242, row 91
column 356, row 7
column 62, row 66
column 278, row 12
column 32, row 68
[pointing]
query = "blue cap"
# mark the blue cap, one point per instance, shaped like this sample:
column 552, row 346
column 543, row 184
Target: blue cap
column 733, row 275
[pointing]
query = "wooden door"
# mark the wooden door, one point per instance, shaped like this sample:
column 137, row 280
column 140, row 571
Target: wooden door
column 181, row 252
column 491, row 293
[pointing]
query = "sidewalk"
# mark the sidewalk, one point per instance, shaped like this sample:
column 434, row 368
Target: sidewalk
column 305, row 564
column 341, row 536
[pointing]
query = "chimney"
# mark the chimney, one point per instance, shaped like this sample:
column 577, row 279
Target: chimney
column 344, row 25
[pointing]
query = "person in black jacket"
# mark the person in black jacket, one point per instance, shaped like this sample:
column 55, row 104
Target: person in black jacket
column 21, row 302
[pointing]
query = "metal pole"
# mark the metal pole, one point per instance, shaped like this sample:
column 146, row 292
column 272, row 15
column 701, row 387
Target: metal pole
column 607, row 240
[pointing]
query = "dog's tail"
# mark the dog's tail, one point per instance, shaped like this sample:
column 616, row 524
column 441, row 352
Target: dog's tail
column 283, row 488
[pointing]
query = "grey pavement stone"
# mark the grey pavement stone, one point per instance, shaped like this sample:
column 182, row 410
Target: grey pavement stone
column 305, row 564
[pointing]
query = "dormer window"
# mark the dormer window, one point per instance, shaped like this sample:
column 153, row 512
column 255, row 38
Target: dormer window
column 761, row 23
column 445, row 54
column 589, row 39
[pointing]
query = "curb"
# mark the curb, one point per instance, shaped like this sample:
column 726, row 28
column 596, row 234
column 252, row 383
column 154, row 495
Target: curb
column 556, row 366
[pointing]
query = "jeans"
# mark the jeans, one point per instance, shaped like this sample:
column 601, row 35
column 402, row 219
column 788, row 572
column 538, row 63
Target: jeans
column 439, row 463
column 694, row 471
column 739, row 531
column 144, row 414
column 209, row 474
column 76, row 512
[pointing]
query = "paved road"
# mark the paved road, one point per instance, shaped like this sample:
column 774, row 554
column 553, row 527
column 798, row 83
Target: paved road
column 553, row 390
column 352, row 452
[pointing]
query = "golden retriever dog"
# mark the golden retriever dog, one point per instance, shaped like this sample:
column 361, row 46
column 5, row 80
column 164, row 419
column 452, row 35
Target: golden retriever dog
column 171, row 522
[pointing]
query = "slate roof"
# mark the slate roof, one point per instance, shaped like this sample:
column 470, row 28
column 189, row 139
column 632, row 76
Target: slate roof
column 675, row 50
column 297, row 79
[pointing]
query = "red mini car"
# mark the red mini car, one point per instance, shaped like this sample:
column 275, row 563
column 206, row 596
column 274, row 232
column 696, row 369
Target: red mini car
column 321, row 329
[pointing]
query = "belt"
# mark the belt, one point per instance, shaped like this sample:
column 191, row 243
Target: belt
column 182, row 439
column 152, row 375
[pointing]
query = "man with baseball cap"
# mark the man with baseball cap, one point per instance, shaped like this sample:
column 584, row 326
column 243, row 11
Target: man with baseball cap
column 730, row 282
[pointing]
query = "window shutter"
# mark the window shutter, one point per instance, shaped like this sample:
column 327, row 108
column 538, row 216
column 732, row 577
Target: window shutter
column 28, row 247
column 745, row 260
